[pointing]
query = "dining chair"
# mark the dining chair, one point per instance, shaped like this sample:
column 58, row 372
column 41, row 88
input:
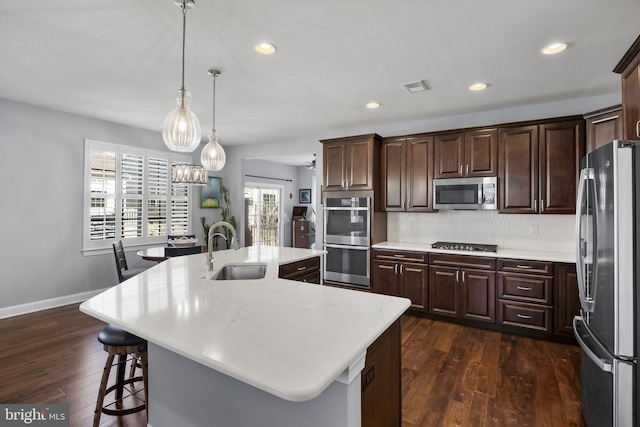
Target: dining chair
column 124, row 272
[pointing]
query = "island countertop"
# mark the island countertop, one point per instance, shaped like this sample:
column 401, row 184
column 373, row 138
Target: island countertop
column 288, row 338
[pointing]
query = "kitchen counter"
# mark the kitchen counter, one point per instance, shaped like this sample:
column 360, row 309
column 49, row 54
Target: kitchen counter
column 289, row 339
column 565, row 257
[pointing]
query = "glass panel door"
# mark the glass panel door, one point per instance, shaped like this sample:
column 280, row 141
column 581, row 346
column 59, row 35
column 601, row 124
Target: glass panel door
column 262, row 210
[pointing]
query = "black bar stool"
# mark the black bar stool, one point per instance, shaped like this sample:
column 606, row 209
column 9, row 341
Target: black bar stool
column 118, row 342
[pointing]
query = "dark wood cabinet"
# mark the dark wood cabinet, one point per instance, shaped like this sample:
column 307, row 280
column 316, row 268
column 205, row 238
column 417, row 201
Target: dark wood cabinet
column 381, row 399
column 307, row 270
column 300, row 233
column 466, row 154
column 525, row 298
column 567, row 300
column 403, row 274
column 539, row 167
column 602, row 127
column 629, row 69
column 462, row 287
column 351, row 163
column 406, row 165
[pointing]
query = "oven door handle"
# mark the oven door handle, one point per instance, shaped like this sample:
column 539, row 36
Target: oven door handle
column 365, row 208
column 327, row 245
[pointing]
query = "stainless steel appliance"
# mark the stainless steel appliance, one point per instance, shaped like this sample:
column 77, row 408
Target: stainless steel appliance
column 454, row 246
column 607, row 213
column 465, row 193
column 347, row 238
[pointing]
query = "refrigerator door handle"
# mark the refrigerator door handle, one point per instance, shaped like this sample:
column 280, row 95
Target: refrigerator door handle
column 587, row 303
column 580, row 330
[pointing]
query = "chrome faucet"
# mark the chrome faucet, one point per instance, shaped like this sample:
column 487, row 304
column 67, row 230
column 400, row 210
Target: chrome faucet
column 234, row 240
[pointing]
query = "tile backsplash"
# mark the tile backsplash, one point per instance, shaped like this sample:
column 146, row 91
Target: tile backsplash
column 551, row 233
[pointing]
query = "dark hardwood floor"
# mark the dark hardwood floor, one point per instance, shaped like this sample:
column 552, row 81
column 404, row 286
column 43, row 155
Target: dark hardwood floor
column 451, row 376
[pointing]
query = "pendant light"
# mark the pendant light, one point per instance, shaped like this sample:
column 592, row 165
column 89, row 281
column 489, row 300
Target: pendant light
column 181, row 128
column 213, row 157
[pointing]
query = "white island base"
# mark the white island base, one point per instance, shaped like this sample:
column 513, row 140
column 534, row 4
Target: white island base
column 188, row 394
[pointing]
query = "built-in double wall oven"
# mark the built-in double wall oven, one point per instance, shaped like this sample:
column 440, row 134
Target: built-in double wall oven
column 347, row 239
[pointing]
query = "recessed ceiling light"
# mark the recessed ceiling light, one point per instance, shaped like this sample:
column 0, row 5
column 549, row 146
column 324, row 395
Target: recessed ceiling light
column 554, row 48
column 478, row 86
column 373, row 105
column 265, row 48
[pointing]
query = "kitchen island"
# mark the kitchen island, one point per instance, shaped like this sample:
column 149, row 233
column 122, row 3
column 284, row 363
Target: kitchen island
column 268, row 352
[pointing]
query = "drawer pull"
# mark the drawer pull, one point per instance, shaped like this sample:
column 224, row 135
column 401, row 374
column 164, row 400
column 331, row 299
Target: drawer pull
column 523, row 288
column 523, row 316
column 524, row 267
column 302, row 268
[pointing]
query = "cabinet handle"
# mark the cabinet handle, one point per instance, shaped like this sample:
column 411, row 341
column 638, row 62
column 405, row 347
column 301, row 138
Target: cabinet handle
column 638, row 128
column 457, row 277
column 461, row 166
column 525, row 267
column 535, row 205
column 541, row 205
column 302, row 268
column 398, row 255
column 523, row 288
column 304, row 280
column 467, row 170
column 395, row 269
column 523, row 316
column 401, row 269
column 463, row 276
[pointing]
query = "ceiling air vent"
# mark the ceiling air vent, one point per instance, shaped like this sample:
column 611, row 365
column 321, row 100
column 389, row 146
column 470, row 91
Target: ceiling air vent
column 414, row 87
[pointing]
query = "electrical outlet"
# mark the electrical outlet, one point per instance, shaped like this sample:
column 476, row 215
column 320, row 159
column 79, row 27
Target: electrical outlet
column 533, row 230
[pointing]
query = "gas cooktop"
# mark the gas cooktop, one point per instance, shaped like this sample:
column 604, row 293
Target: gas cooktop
column 464, row 246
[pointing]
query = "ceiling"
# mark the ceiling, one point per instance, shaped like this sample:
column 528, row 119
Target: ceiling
column 120, row 60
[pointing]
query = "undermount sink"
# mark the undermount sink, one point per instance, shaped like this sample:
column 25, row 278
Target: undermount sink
column 241, row 272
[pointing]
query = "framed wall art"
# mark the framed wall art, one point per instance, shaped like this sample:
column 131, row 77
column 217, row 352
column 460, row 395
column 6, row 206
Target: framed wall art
column 210, row 193
column 304, row 195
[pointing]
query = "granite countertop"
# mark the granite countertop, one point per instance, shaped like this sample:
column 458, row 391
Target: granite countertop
column 290, row 339
column 566, row 257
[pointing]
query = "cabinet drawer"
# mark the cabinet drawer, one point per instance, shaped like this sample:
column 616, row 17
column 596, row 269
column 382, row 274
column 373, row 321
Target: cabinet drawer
column 463, row 261
column 416, row 257
column 529, row 316
column 525, row 287
column 525, row 266
column 286, row 271
column 310, row 277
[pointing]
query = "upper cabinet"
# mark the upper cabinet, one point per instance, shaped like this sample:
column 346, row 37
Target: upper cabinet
column 406, row 165
column 351, row 163
column 466, row 154
column 629, row 69
column 603, row 126
column 539, row 167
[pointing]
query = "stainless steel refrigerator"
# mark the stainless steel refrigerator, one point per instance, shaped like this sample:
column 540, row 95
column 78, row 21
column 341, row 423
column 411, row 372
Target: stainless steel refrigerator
column 607, row 260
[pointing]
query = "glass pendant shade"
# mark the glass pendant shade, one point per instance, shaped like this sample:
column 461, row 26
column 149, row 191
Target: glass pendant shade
column 181, row 128
column 188, row 174
column 213, row 157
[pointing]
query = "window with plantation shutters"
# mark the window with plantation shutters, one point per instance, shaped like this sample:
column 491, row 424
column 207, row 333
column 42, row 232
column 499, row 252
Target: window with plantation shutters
column 129, row 196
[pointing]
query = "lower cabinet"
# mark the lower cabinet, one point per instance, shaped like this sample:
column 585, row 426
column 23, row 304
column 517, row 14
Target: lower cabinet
column 462, row 287
column 307, row 270
column 401, row 273
column 567, row 299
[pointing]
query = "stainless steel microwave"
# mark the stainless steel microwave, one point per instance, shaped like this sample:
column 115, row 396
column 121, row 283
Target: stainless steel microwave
column 465, row 193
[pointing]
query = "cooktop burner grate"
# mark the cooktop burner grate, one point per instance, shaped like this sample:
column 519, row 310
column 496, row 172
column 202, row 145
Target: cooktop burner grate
column 454, row 246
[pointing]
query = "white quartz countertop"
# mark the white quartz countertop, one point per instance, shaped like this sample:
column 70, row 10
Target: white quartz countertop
column 290, row 339
column 502, row 253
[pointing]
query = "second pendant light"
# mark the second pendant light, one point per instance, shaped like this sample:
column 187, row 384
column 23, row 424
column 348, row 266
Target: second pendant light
column 213, row 157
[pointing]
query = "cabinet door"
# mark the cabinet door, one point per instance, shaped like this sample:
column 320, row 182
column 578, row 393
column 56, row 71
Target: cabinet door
column 419, row 174
column 334, row 165
column 394, row 169
column 383, row 278
column 413, row 284
column 567, row 299
column 481, row 152
column 518, row 165
column 449, row 155
column 478, row 295
column 561, row 149
column 631, row 101
column 360, row 165
column 444, row 291
column 602, row 128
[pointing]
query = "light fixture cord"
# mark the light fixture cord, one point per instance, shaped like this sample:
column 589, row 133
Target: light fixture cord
column 184, row 32
column 213, row 128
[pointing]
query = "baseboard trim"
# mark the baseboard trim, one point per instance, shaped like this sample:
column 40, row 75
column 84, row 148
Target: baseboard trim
column 31, row 307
